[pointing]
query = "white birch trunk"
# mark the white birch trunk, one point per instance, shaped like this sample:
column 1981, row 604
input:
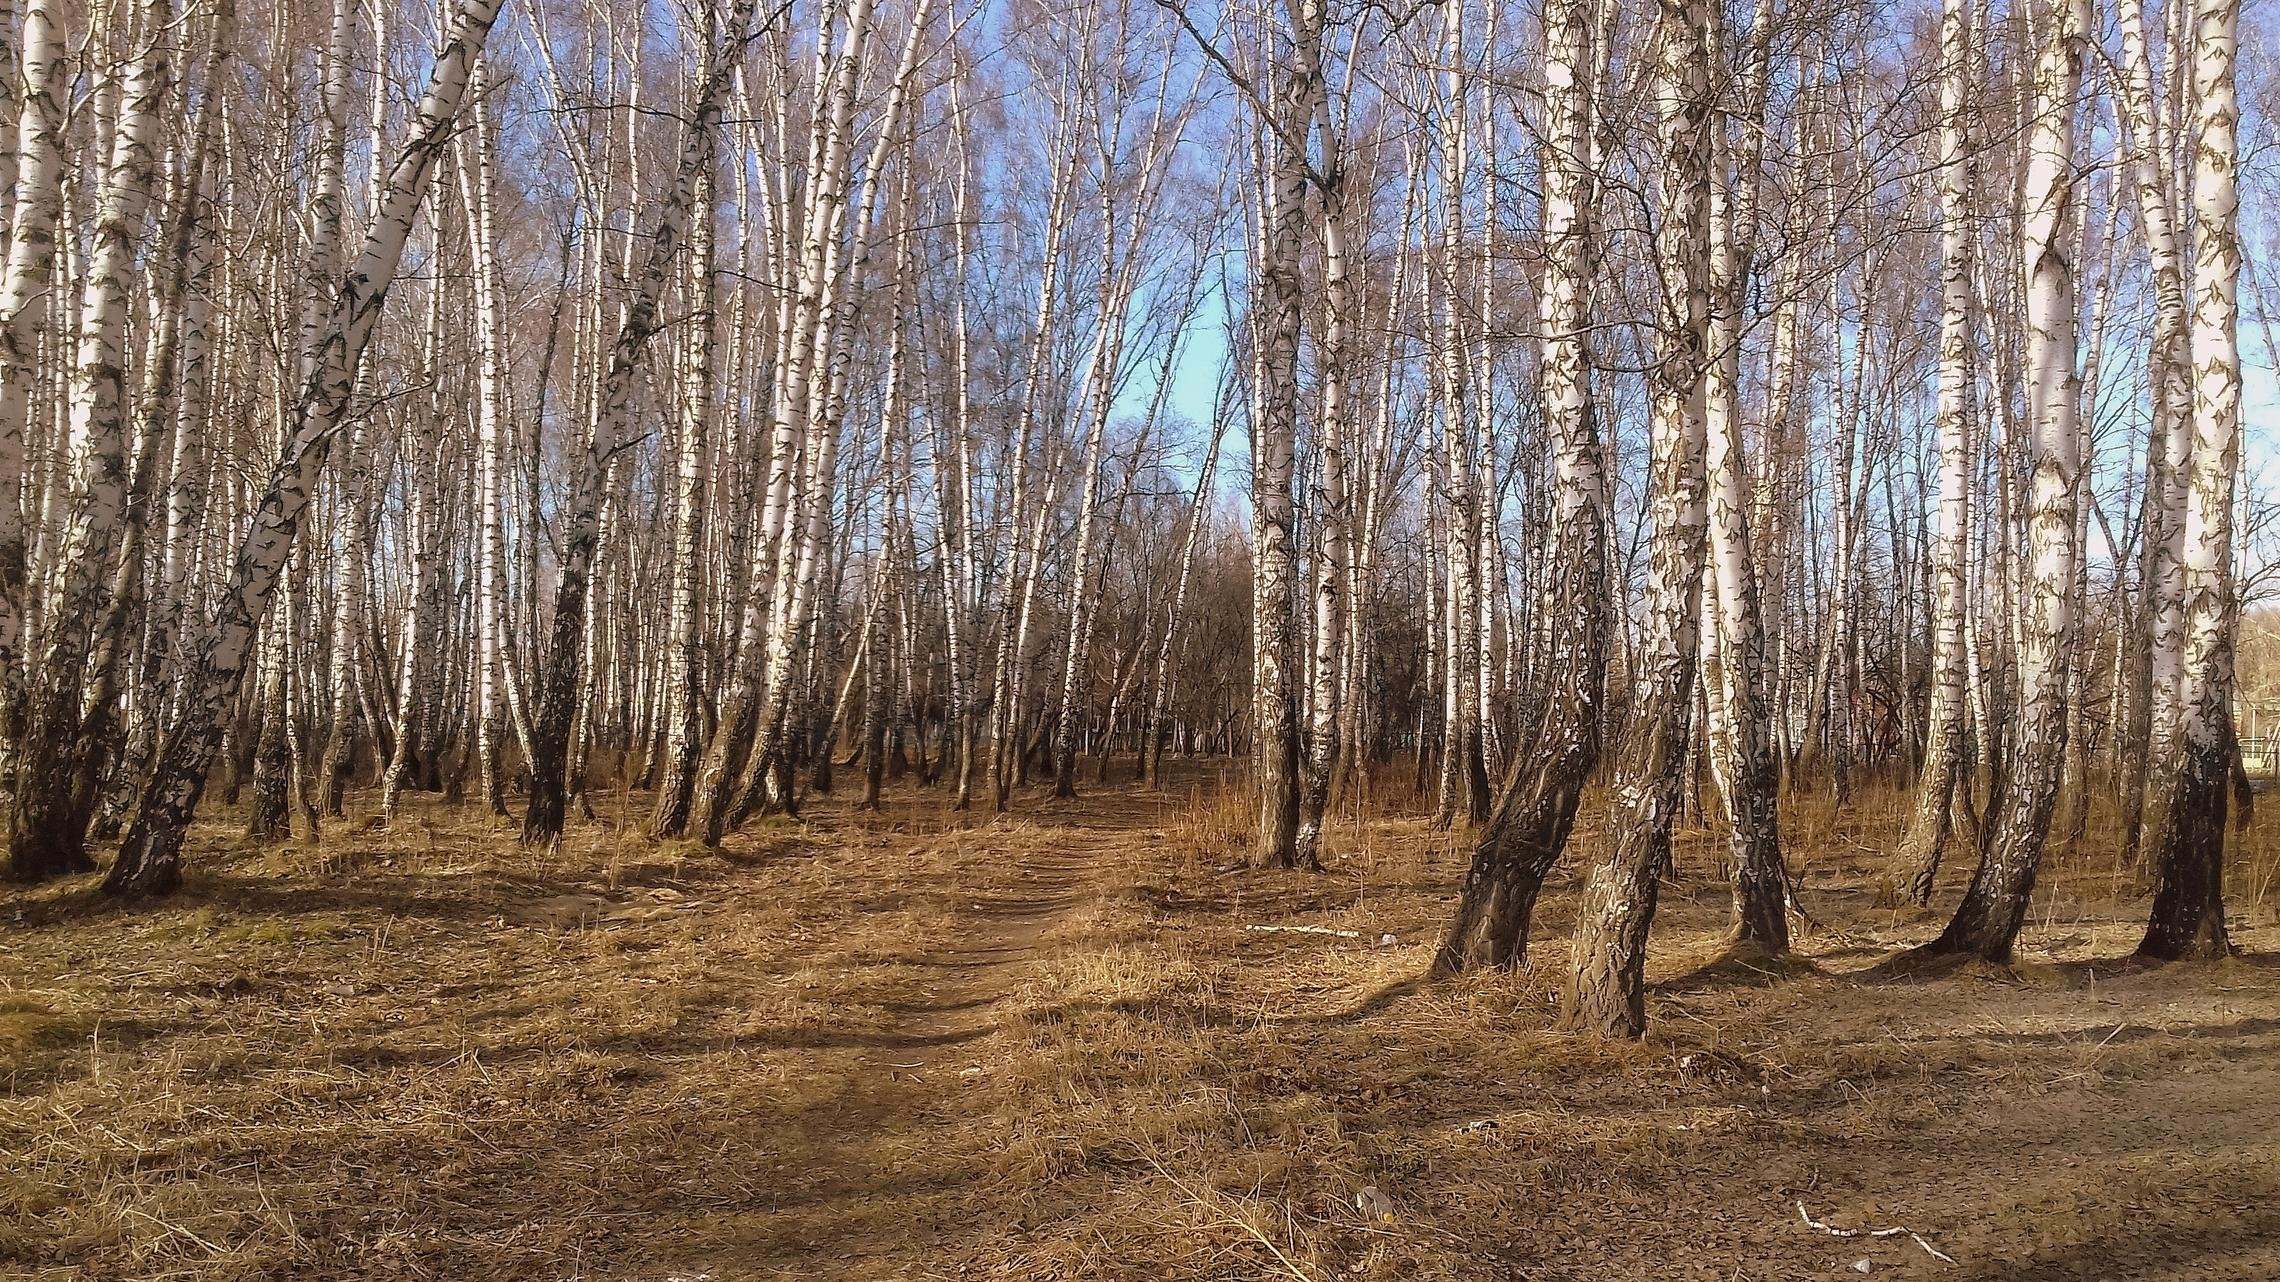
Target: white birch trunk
column 48, row 825
column 1995, row 906
column 2188, row 916
column 1607, row 988
column 1943, row 740
column 149, row 861
column 1536, row 812
column 23, row 306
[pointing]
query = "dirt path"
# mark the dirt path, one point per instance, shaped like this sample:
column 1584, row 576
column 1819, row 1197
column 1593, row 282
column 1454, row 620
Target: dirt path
column 912, row 1125
column 995, row 932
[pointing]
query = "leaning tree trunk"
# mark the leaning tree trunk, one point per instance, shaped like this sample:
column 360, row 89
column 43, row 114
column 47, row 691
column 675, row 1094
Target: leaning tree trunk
column 1532, row 819
column 1607, row 987
column 150, row 860
column 560, row 686
column 1995, row 906
column 2188, row 918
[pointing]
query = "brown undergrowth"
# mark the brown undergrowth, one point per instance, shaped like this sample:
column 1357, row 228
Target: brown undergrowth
column 1058, row 1045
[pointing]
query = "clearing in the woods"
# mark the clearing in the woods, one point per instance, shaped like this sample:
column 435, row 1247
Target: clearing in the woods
column 1079, row 1042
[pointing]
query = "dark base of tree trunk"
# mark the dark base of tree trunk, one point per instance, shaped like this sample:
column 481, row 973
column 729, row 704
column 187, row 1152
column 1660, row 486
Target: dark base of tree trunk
column 149, row 863
column 1478, row 801
column 108, row 825
column 1924, row 872
column 1926, row 840
column 334, row 801
column 1278, row 818
column 677, row 796
column 1607, row 990
column 2133, row 825
column 2009, row 850
column 146, row 881
column 45, row 855
column 542, row 822
column 269, row 819
column 1491, row 929
column 1761, row 906
column 771, row 788
column 1289, row 861
column 672, row 817
column 1761, row 877
column 2188, row 917
column 48, row 832
column 1515, row 853
column 1986, row 924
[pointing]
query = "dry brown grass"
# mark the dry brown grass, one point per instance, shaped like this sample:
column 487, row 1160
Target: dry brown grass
column 921, row 1045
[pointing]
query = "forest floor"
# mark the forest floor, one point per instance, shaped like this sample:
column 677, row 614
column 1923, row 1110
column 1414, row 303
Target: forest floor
column 1056, row 1045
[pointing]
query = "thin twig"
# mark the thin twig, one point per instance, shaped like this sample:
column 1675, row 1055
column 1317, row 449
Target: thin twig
column 1834, row 1231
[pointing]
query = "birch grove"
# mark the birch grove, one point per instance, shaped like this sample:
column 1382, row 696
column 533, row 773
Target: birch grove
column 1573, row 424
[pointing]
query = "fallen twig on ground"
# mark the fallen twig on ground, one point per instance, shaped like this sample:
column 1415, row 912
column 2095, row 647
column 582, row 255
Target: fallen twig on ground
column 1834, row 1231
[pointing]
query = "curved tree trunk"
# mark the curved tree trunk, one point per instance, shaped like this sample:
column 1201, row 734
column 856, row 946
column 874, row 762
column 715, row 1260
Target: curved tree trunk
column 1607, row 986
column 1530, row 824
column 560, row 686
column 1988, row 920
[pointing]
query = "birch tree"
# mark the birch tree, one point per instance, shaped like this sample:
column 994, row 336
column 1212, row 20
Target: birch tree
column 1943, row 747
column 1606, row 992
column 149, row 860
column 2188, row 915
column 1536, row 811
column 48, row 826
column 23, row 298
column 559, row 686
column 1274, row 440
column 1995, row 905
